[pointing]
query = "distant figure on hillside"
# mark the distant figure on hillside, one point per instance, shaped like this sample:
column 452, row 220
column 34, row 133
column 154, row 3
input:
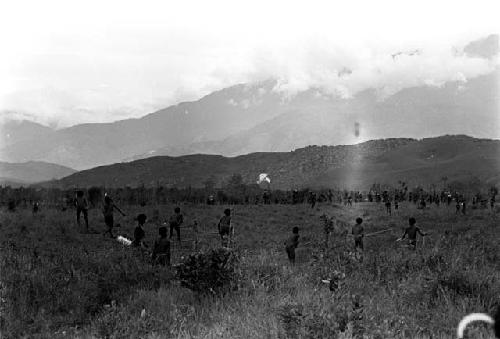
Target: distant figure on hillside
column 175, row 222
column 161, row 248
column 107, row 211
column 36, row 207
column 312, row 199
column 358, row 232
column 225, row 228
column 291, row 244
column 295, row 197
column 266, row 198
column 211, row 200
column 82, row 207
column 139, row 233
column 457, row 207
column 396, row 204
column 412, row 231
column 463, row 207
column 349, row 201
column 422, row 204
column 388, row 206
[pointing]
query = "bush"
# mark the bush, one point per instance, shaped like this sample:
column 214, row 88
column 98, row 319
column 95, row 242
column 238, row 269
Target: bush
column 213, row 272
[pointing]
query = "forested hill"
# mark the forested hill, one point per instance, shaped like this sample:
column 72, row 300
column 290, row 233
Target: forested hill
column 423, row 162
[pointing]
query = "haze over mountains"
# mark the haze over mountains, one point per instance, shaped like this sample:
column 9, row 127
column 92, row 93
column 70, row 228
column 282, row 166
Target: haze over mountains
column 257, row 117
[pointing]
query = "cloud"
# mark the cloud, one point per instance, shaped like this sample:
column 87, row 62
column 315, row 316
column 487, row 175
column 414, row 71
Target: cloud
column 112, row 68
column 345, row 72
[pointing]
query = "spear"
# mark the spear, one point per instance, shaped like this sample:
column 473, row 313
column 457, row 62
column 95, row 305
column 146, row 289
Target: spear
column 350, row 235
column 374, row 233
column 378, row 232
column 232, row 228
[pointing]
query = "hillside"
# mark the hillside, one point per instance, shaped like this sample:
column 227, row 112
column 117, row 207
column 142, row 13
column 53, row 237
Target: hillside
column 14, row 174
column 353, row 166
column 428, row 161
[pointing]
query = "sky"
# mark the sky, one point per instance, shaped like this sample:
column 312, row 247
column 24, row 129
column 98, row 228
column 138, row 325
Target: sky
column 69, row 62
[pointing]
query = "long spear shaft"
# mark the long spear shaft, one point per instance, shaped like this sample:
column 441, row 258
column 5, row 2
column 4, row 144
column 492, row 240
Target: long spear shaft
column 378, row 232
column 374, row 233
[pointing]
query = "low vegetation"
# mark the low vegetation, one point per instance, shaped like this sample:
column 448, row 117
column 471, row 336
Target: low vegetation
column 59, row 281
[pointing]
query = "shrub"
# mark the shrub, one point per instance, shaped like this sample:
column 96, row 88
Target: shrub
column 215, row 271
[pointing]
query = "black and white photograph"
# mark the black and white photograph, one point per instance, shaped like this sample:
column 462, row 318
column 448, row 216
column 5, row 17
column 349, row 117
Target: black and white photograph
column 250, row 169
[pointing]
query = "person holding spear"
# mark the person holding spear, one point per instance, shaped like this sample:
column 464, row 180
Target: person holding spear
column 107, row 211
column 358, row 234
column 412, row 231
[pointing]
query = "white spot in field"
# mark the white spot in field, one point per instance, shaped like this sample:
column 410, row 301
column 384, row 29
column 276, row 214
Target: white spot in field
column 124, row 240
column 143, row 313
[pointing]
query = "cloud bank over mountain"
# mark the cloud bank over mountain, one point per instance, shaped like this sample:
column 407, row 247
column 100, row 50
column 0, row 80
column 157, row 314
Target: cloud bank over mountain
column 345, row 72
column 94, row 63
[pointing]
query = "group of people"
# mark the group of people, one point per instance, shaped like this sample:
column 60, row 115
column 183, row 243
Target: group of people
column 161, row 248
column 160, row 253
column 358, row 233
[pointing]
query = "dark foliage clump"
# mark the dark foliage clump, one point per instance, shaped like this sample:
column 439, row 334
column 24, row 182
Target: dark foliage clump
column 215, row 271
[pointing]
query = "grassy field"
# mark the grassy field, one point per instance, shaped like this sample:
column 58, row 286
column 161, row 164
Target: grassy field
column 58, row 281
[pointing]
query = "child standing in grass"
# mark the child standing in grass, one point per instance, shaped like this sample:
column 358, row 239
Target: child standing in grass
column 175, row 222
column 291, row 244
column 412, row 231
column 139, row 233
column 107, row 211
column 161, row 248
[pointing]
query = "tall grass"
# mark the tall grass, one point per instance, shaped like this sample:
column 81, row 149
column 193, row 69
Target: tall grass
column 59, row 282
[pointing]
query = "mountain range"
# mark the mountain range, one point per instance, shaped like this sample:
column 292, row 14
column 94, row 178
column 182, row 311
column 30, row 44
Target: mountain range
column 17, row 174
column 255, row 117
column 387, row 161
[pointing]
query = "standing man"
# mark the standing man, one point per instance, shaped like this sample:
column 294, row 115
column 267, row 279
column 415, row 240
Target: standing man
column 225, row 228
column 359, row 233
column 291, row 244
column 82, row 207
column 412, row 231
column 175, row 222
column 107, row 211
column 161, row 248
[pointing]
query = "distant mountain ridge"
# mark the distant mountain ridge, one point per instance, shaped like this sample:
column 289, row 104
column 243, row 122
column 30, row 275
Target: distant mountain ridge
column 249, row 118
column 422, row 162
column 15, row 174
